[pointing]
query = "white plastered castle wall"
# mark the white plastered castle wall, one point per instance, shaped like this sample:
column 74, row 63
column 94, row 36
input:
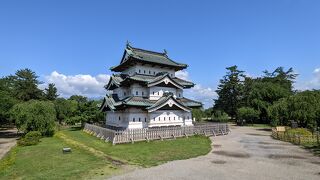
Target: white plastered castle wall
column 148, row 70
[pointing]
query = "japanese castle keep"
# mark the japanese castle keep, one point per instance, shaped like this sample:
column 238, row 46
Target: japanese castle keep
column 145, row 92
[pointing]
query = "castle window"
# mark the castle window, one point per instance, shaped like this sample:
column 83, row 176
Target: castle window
column 142, row 93
column 164, row 118
column 139, row 71
column 145, row 119
column 154, row 72
column 149, row 72
column 119, row 118
column 137, row 93
column 124, row 93
column 139, row 119
column 144, row 71
column 159, row 118
column 187, row 117
column 174, row 118
column 169, row 118
column 134, row 120
column 158, row 93
column 153, row 93
column 179, row 95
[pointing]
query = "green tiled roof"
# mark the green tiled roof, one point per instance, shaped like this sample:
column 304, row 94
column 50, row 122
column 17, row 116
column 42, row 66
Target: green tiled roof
column 154, row 57
column 189, row 102
column 146, row 56
column 160, row 101
column 138, row 101
column 119, row 78
column 113, row 102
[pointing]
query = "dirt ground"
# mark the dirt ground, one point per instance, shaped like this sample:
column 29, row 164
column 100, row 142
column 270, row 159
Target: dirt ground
column 8, row 138
column 246, row 153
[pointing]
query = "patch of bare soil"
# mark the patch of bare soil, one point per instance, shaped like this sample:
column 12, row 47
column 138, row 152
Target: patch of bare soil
column 285, row 156
column 232, row 154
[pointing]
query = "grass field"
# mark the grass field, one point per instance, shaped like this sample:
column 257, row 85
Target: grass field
column 92, row 157
column 147, row 154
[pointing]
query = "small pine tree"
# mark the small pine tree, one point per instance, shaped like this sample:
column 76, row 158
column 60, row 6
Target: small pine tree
column 51, row 92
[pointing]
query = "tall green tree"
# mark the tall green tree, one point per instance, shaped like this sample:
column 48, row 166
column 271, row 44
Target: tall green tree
column 230, row 91
column 25, row 85
column 51, row 92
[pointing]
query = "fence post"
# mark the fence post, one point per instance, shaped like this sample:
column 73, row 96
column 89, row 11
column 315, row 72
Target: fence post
column 299, row 139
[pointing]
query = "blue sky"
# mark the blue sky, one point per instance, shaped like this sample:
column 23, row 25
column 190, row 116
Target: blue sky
column 70, row 41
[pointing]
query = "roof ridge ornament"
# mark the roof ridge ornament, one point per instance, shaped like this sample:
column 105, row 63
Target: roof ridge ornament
column 128, row 44
column 165, row 52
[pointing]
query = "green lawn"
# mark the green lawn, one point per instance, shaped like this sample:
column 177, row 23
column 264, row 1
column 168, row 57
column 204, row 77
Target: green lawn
column 92, row 157
column 147, row 153
column 46, row 161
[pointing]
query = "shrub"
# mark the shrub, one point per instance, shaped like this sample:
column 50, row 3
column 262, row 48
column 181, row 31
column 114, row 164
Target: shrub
column 299, row 131
column 220, row 116
column 247, row 113
column 197, row 114
column 31, row 138
column 34, row 116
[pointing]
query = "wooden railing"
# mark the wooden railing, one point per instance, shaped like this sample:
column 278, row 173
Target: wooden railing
column 160, row 133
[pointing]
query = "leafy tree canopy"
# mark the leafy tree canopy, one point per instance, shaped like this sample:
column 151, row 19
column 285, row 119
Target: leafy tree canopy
column 34, row 116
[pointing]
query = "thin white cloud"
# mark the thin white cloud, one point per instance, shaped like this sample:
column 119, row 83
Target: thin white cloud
column 183, row 75
column 202, row 94
column 314, row 83
column 198, row 92
column 81, row 84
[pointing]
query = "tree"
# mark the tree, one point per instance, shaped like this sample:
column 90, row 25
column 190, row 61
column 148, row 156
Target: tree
column 198, row 114
column 248, row 114
column 230, row 91
column 279, row 112
column 51, row 92
column 7, row 100
column 65, row 109
column 219, row 116
column 302, row 107
column 34, row 116
column 87, row 111
column 25, row 85
column 260, row 93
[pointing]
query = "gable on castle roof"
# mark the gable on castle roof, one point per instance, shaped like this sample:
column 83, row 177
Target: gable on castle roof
column 134, row 55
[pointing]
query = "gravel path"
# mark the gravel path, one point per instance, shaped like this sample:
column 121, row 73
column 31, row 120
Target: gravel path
column 246, row 153
column 8, row 138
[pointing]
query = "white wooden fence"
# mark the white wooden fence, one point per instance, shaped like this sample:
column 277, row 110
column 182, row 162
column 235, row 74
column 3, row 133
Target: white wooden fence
column 146, row 134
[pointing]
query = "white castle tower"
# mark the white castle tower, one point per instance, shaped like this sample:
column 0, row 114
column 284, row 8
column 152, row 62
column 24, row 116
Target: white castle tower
column 146, row 93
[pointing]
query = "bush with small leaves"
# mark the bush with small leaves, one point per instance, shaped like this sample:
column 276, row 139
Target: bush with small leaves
column 31, row 138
